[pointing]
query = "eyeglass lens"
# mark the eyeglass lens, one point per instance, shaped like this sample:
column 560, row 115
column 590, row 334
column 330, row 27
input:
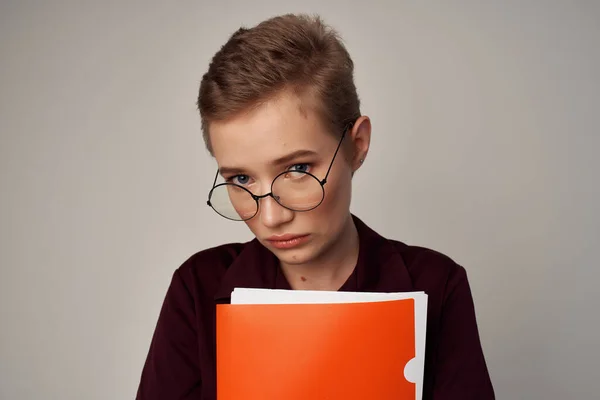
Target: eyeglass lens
column 295, row 190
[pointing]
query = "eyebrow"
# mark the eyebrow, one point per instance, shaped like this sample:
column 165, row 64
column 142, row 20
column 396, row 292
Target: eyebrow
column 277, row 162
column 293, row 156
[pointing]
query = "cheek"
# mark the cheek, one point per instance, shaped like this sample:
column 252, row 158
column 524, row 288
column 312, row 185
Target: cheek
column 252, row 224
column 337, row 195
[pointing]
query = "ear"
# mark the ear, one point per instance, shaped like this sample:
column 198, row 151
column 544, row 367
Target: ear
column 361, row 140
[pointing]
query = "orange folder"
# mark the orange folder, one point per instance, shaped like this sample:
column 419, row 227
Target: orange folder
column 315, row 351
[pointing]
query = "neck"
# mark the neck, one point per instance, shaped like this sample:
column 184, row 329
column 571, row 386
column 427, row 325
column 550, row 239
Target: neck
column 332, row 268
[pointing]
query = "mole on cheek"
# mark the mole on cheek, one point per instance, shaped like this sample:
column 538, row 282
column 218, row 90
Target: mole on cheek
column 303, row 279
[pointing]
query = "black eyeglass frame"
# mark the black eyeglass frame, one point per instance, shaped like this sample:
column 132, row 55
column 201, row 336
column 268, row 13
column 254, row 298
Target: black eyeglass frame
column 256, row 198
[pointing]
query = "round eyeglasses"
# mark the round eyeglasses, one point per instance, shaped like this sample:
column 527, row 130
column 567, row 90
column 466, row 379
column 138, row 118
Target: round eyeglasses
column 294, row 190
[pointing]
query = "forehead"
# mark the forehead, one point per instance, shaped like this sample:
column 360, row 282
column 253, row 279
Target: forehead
column 272, row 130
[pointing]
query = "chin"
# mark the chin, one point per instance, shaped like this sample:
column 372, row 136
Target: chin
column 294, row 256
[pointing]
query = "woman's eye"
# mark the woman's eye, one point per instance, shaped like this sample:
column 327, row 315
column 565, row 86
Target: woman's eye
column 240, row 179
column 300, row 167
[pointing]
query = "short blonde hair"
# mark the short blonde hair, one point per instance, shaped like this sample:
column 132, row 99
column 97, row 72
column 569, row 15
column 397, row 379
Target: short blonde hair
column 288, row 52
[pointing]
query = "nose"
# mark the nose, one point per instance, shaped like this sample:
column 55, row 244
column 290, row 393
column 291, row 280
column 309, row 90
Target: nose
column 273, row 214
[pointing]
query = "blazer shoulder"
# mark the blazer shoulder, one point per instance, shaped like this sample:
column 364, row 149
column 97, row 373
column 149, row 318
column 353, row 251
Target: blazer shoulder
column 212, row 262
column 423, row 261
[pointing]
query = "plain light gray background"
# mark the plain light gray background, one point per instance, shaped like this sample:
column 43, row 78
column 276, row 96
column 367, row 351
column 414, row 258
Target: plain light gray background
column 485, row 145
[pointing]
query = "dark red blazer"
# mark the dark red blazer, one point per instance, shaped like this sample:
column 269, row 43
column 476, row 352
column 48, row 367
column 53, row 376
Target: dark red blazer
column 181, row 363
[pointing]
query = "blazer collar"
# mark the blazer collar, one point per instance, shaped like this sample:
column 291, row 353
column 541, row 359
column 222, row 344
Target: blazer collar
column 380, row 268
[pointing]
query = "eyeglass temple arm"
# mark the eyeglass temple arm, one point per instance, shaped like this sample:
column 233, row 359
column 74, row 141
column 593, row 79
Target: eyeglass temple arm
column 324, row 181
column 216, row 176
column 213, row 186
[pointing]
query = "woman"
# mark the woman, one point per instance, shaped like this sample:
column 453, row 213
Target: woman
column 281, row 116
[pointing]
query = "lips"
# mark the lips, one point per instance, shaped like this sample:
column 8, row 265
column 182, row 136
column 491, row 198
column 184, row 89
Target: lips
column 283, row 238
column 287, row 241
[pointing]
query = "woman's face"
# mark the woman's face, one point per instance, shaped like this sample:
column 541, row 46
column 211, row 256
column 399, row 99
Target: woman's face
column 255, row 147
